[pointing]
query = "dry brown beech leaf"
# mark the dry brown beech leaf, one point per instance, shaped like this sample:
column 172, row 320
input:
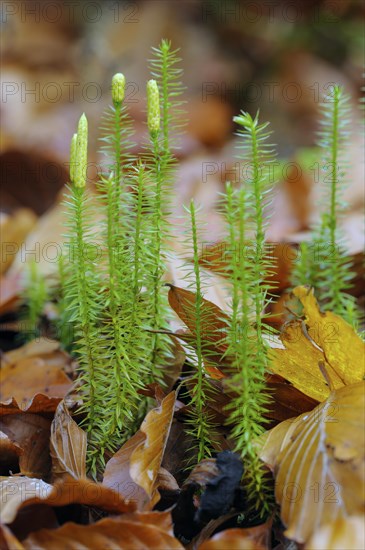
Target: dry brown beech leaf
column 9, row 452
column 38, row 367
column 117, row 473
column 215, row 322
column 147, row 457
column 39, row 404
column 166, row 481
column 20, row 492
column 123, row 533
column 342, row 533
column 319, row 473
column 216, row 258
column 35, row 348
column 67, row 445
column 31, row 432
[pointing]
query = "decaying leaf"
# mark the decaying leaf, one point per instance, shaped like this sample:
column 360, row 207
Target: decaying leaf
column 40, row 347
column 214, row 326
column 21, row 492
column 147, row 457
column 166, row 481
column 31, row 432
column 323, row 339
column 39, row 404
column 183, row 303
column 117, row 473
column 9, row 452
column 320, row 469
column 341, row 533
column 216, row 257
column 35, row 368
column 15, row 491
column 67, row 445
column 124, row 533
column 342, row 347
column 299, row 363
column 134, row 470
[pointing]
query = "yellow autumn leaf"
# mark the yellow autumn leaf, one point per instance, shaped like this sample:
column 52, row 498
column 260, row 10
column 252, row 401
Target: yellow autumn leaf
column 319, row 465
column 322, row 339
column 342, row 347
column 343, row 533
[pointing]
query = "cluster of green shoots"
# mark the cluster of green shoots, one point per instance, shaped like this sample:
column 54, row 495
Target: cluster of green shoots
column 112, row 280
column 112, row 290
column 242, row 335
column 323, row 263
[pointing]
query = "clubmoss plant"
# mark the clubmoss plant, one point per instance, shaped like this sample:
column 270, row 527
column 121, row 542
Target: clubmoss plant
column 201, row 426
column 81, row 293
column 326, row 267
column 117, row 306
column 157, row 218
column 165, row 120
column 117, row 328
column 165, row 68
column 244, row 212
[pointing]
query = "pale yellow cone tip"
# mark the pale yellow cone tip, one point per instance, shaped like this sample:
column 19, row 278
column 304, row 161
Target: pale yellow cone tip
column 153, row 107
column 118, row 89
column 73, row 155
column 81, row 153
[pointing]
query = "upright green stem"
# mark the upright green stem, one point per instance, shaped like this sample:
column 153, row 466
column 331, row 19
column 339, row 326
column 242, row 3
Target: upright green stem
column 86, row 321
column 199, row 389
column 117, row 164
column 157, row 239
column 332, row 222
column 260, row 236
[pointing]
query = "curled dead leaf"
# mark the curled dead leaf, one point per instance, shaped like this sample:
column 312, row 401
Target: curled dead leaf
column 67, row 445
column 147, row 457
column 117, row 473
column 320, row 469
column 31, row 432
column 9, row 452
column 21, row 492
column 125, row 533
column 134, row 470
column 39, row 404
